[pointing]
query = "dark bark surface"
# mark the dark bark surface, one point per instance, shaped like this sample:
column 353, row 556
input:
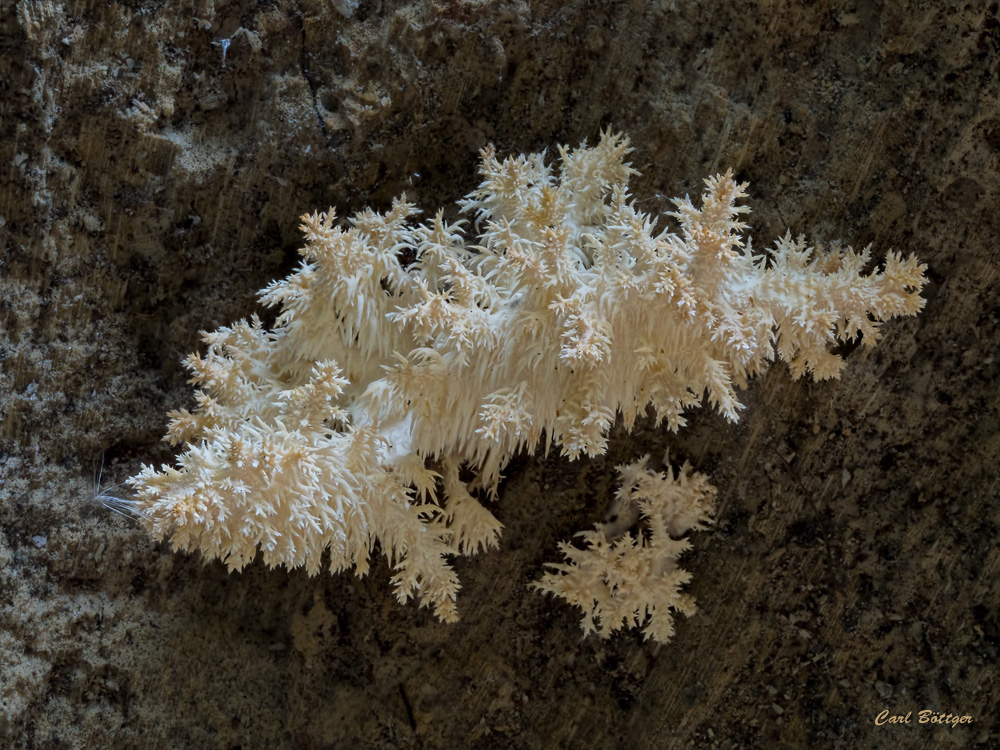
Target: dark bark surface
column 154, row 158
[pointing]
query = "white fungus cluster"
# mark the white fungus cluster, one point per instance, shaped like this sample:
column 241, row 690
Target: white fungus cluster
column 410, row 356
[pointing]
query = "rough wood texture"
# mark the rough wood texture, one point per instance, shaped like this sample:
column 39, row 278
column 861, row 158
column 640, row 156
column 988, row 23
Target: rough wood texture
column 150, row 182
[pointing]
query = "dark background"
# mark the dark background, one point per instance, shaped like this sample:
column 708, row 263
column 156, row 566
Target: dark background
column 148, row 188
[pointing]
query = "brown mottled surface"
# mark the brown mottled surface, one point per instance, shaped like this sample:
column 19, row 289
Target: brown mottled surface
column 147, row 190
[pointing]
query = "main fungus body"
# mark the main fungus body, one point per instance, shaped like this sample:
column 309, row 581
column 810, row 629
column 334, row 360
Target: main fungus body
column 553, row 308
